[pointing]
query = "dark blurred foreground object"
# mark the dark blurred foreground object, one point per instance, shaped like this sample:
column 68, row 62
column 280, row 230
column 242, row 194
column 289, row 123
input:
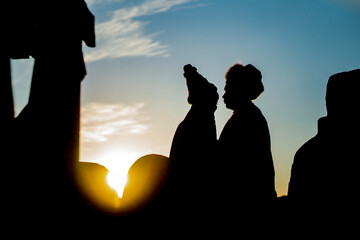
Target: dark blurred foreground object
column 42, row 143
column 144, row 190
column 31, row 23
column 325, row 172
column 50, row 122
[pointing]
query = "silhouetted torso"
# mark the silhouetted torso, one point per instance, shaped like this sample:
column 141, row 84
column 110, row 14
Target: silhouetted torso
column 244, row 149
column 192, row 157
column 325, row 171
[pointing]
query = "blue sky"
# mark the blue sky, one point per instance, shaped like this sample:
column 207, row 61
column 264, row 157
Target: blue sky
column 134, row 95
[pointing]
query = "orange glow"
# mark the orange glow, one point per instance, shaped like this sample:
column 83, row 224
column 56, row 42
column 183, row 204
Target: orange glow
column 92, row 185
column 146, row 178
column 113, row 192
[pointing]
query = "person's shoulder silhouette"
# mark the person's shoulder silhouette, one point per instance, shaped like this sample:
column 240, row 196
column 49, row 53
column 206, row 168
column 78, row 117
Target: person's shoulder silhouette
column 324, row 171
column 245, row 140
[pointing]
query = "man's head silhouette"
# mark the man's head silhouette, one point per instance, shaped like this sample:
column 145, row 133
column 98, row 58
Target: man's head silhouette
column 243, row 84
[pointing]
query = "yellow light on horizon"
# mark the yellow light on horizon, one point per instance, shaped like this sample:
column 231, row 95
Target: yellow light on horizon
column 120, row 182
column 118, row 163
column 117, row 181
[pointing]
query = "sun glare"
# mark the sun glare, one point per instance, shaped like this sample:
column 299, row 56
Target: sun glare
column 118, row 164
column 122, row 182
column 117, row 181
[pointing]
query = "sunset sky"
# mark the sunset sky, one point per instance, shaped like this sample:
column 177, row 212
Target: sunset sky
column 134, row 94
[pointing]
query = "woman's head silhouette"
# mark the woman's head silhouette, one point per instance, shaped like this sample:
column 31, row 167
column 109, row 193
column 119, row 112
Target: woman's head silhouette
column 200, row 90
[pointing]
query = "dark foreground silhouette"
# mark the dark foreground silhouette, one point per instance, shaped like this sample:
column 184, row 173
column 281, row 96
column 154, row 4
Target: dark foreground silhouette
column 42, row 143
column 325, row 173
column 204, row 187
column 144, row 192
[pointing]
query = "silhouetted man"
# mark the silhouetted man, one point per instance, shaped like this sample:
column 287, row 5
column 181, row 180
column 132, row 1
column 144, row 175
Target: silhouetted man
column 325, row 171
column 244, row 144
column 193, row 150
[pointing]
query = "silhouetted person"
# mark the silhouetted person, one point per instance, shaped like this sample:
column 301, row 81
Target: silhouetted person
column 325, row 171
column 14, row 32
column 48, row 126
column 193, row 150
column 244, row 143
column 53, row 107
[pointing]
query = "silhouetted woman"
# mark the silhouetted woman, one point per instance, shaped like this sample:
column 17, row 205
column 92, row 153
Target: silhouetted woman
column 193, row 149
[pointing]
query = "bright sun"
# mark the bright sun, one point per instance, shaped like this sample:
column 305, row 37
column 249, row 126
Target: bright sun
column 118, row 163
column 117, row 181
column 146, row 178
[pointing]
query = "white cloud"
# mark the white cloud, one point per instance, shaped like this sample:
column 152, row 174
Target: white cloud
column 123, row 36
column 100, row 121
column 93, row 2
